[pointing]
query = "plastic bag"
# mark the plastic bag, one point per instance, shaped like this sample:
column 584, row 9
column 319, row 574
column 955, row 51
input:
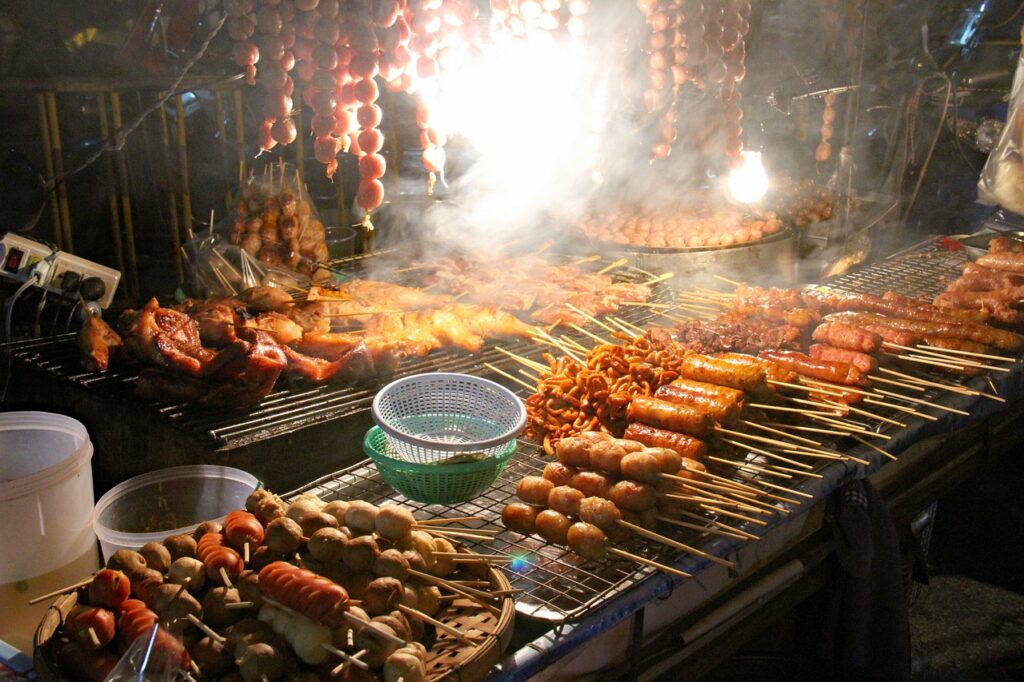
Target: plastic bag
column 1002, row 178
column 217, row 268
column 143, row 661
column 276, row 223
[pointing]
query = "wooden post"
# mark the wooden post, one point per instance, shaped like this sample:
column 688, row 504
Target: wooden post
column 186, row 195
column 58, row 165
column 239, row 131
column 172, row 193
column 115, row 212
column 132, row 278
column 44, row 127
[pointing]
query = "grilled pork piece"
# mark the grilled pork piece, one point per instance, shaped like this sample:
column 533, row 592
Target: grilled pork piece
column 98, row 342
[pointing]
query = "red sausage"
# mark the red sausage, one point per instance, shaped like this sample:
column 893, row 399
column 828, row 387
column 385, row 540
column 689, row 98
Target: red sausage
column 835, row 372
column 241, row 528
column 687, row 446
column 85, row 618
column 315, row 597
column 215, row 555
column 862, row 361
column 137, row 620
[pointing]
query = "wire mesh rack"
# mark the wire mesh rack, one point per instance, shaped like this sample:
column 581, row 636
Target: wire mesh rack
column 291, row 407
column 558, row 585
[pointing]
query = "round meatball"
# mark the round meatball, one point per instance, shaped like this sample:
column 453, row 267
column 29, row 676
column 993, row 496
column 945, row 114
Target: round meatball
column 669, row 461
column 587, row 540
column 215, row 611
column 558, row 473
column 607, row 456
column 629, row 445
column 394, row 522
column 642, row 467
column 565, row 499
column 573, row 452
column 522, row 518
column 337, row 509
column 360, row 553
column 361, row 517
column 283, row 535
column 633, row 496
column 534, row 490
column 327, row 544
column 180, row 546
column 207, row 527
column 382, row 595
column 552, row 526
column 391, row 564
column 443, row 565
column 157, row 556
column 595, row 436
column 600, row 512
column 592, row 484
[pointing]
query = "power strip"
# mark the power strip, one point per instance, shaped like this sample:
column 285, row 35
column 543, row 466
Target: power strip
column 21, row 258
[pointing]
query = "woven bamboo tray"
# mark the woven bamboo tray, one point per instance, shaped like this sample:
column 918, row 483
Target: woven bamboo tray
column 447, row 658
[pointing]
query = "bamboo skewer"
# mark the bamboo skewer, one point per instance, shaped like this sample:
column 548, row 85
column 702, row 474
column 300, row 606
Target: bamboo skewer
column 532, row 364
column 590, row 334
column 718, row 523
column 856, row 410
column 660, row 278
column 901, row 408
column 737, row 490
column 931, row 351
column 460, row 533
column 733, row 515
column 723, row 492
column 812, row 429
column 769, row 454
column 590, row 317
column 454, row 632
column 709, row 529
column 647, row 304
column 62, row 590
column 750, row 467
column 715, row 500
column 479, row 558
column 907, row 357
column 803, row 387
column 480, row 598
column 449, row 519
column 956, row 388
column 640, row 530
column 744, row 486
column 901, row 384
column 727, row 280
column 642, row 560
column 875, row 448
column 998, row 358
column 769, row 429
column 781, row 408
column 346, row 658
column 778, row 443
column 510, row 377
column 617, row 264
column 206, row 629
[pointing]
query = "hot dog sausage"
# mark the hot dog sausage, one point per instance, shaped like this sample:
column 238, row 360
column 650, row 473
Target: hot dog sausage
column 241, row 528
column 665, row 415
column 862, row 361
column 215, row 554
column 716, row 371
column 314, row 596
column 685, row 445
column 835, row 372
column 847, row 336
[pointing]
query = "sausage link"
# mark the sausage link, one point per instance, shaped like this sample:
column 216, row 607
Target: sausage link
column 314, row 596
column 862, row 361
column 848, row 337
column 241, row 528
column 137, row 620
column 686, row 446
column 720, row 410
column 215, row 555
column 716, row 371
column 665, row 415
column 835, row 372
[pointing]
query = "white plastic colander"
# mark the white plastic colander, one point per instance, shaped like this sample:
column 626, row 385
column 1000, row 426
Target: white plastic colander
column 431, row 417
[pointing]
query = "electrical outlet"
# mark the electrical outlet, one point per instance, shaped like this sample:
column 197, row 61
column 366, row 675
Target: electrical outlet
column 66, row 262
column 20, row 257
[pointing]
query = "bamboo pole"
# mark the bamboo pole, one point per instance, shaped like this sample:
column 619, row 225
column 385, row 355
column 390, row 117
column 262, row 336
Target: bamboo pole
column 132, row 278
column 44, row 131
column 172, row 191
column 109, row 178
column 67, row 243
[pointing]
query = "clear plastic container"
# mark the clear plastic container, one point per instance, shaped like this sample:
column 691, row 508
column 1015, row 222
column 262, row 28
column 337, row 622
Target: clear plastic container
column 45, row 498
column 170, row 501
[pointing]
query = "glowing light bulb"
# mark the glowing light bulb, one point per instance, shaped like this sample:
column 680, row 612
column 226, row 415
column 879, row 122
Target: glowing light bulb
column 749, row 183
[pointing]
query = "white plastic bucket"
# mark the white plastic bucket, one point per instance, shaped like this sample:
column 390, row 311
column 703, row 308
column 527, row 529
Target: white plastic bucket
column 46, row 497
column 165, row 502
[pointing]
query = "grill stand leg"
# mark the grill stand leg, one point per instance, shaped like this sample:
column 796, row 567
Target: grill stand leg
column 636, row 645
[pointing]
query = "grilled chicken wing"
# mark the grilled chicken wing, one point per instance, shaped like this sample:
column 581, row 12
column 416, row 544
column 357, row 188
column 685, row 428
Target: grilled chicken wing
column 98, row 342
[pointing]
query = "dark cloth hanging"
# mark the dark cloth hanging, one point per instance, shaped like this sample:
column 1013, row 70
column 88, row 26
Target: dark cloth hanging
column 867, row 631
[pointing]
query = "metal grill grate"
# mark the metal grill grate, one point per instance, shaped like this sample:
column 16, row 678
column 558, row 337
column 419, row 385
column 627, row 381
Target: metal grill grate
column 559, row 586
column 300, row 406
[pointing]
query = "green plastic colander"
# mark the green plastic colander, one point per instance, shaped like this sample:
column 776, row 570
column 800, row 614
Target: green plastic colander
column 439, row 483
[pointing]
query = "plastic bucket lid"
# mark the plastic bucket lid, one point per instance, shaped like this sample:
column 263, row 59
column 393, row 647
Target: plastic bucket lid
column 39, row 450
